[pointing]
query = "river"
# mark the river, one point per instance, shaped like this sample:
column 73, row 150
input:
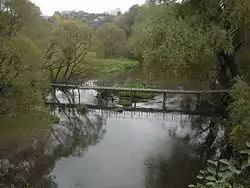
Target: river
column 104, row 149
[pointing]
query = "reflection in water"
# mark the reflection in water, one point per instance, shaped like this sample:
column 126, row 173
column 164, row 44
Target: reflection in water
column 179, row 169
column 33, row 164
column 135, row 152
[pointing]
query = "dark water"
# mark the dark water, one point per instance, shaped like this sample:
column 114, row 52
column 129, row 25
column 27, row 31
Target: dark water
column 104, row 149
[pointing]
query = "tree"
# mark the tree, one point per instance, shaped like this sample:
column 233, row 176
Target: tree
column 197, row 35
column 203, row 41
column 114, row 40
column 94, row 20
column 65, row 55
column 20, row 63
column 127, row 21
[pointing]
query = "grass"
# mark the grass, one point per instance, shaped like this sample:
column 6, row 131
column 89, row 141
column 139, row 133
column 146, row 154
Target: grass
column 138, row 96
column 112, row 67
column 125, row 102
column 100, row 67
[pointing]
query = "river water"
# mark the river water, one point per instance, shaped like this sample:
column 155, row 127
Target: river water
column 104, row 149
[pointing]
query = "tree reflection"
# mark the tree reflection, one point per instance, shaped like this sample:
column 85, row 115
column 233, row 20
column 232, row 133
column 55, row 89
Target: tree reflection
column 164, row 172
column 180, row 169
column 33, row 164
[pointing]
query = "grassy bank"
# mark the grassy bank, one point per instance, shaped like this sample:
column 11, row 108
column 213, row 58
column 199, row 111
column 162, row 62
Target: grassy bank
column 137, row 95
column 125, row 96
column 96, row 67
column 112, row 67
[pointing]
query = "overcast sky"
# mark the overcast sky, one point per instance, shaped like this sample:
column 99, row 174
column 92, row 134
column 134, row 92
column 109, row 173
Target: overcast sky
column 48, row 7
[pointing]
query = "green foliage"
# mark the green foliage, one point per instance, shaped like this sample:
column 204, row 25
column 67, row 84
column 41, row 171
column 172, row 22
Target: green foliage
column 137, row 96
column 192, row 38
column 97, row 47
column 170, row 45
column 54, row 119
column 240, row 114
column 223, row 173
column 66, row 54
column 112, row 67
column 114, row 40
column 140, row 85
column 22, row 81
column 20, row 124
column 95, row 20
column 127, row 21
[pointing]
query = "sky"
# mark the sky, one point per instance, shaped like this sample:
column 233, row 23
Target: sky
column 48, row 7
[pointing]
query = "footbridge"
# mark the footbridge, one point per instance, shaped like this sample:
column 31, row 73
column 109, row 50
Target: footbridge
column 100, row 87
column 131, row 89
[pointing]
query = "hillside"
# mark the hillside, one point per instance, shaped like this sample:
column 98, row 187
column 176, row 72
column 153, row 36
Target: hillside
column 95, row 20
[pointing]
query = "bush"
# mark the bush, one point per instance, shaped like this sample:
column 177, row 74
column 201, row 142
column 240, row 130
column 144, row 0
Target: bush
column 224, row 173
column 240, row 114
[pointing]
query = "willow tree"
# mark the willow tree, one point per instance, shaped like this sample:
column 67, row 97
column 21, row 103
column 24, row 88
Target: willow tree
column 204, row 41
column 65, row 56
column 199, row 38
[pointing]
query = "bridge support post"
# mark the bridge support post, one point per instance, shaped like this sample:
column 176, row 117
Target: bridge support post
column 73, row 96
column 79, row 96
column 198, row 101
column 164, row 100
column 54, row 94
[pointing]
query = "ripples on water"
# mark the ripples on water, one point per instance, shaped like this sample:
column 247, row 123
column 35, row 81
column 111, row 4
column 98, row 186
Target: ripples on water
column 104, row 149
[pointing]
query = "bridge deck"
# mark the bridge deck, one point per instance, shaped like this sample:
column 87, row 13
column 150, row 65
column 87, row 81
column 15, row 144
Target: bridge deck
column 146, row 90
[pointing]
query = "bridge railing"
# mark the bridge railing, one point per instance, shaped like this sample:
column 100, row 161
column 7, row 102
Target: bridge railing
column 72, row 82
column 139, row 88
column 108, row 84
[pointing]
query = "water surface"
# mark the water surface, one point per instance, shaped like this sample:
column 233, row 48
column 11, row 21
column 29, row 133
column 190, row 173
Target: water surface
column 104, row 149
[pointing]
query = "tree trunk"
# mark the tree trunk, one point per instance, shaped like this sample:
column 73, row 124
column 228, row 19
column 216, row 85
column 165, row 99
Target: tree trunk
column 231, row 64
column 227, row 62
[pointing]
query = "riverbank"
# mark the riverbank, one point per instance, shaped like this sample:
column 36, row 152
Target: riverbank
column 113, row 67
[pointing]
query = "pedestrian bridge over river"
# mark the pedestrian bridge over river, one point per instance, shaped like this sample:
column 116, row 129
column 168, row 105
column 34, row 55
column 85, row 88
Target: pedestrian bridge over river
column 114, row 88
column 131, row 89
